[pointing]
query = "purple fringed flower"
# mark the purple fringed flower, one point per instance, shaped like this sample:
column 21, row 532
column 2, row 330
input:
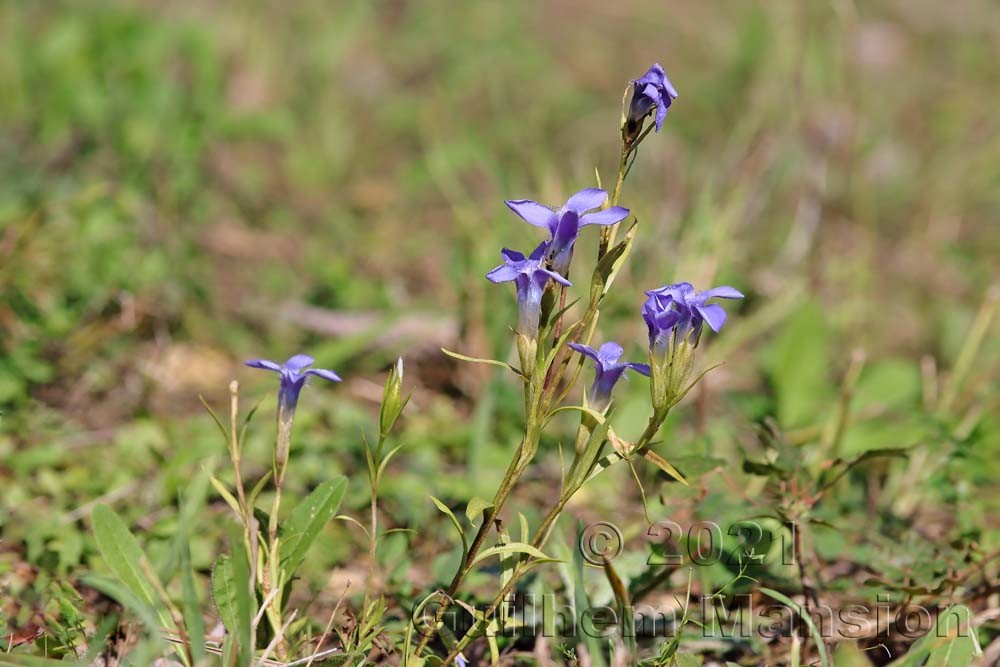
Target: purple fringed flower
column 530, row 276
column 564, row 224
column 293, row 374
column 608, row 371
column 679, row 310
column 652, row 89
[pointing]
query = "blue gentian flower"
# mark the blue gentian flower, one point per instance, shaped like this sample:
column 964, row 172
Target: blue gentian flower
column 564, row 224
column 690, row 308
column 293, row 375
column 530, row 277
column 652, row 89
column 608, row 371
column 674, row 316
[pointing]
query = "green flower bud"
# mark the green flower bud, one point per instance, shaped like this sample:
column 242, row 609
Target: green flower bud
column 393, row 401
column 670, row 368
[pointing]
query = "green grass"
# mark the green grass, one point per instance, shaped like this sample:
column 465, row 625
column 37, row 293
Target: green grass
column 178, row 181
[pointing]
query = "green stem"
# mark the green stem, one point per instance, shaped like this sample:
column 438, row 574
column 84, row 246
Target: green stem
column 608, row 233
column 516, row 468
column 372, row 543
column 272, row 581
column 541, row 537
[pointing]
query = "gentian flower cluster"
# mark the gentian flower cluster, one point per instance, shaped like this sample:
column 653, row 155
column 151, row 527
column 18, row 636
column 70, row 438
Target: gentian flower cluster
column 675, row 315
column 652, row 90
column 608, row 370
column 565, row 222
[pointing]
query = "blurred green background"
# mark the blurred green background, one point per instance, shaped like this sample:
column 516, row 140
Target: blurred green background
column 185, row 185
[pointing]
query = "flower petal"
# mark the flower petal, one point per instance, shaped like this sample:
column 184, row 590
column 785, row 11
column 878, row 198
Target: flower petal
column 724, row 292
column 642, row 369
column 556, row 277
column 512, row 255
column 532, row 212
column 714, row 314
column 611, row 216
column 503, row 273
column 585, row 350
column 263, row 363
column 654, row 75
column 661, row 112
column 323, row 373
column 610, row 353
column 539, row 252
column 566, row 231
column 585, row 200
column 298, row 362
column 670, row 87
column 679, row 292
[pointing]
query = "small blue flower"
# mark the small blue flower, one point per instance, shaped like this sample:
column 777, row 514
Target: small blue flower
column 608, row 371
column 293, row 375
column 652, row 89
column 680, row 310
column 564, row 224
column 460, row 661
column 530, row 277
column 674, row 316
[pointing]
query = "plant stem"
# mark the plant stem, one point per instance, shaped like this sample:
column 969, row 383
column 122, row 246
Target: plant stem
column 517, row 466
column 541, row 537
column 234, row 449
column 372, row 544
column 271, row 581
column 608, row 233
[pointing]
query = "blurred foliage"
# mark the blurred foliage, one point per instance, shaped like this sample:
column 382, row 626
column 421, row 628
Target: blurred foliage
column 179, row 181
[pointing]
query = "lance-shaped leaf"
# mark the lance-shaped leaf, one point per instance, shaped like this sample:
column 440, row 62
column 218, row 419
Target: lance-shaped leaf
column 122, row 553
column 444, row 509
column 609, row 266
column 512, row 548
column 307, row 520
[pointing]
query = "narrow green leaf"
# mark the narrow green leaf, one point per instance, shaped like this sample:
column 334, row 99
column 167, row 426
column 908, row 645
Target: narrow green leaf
column 525, row 531
column 193, row 621
column 579, row 408
column 513, row 547
column 227, row 496
column 122, row 553
column 307, row 520
column 258, row 487
column 609, row 266
column 569, row 332
column 215, row 418
column 817, row 636
column 664, row 465
column 455, row 522
column 477, row 360
column 385, row 460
